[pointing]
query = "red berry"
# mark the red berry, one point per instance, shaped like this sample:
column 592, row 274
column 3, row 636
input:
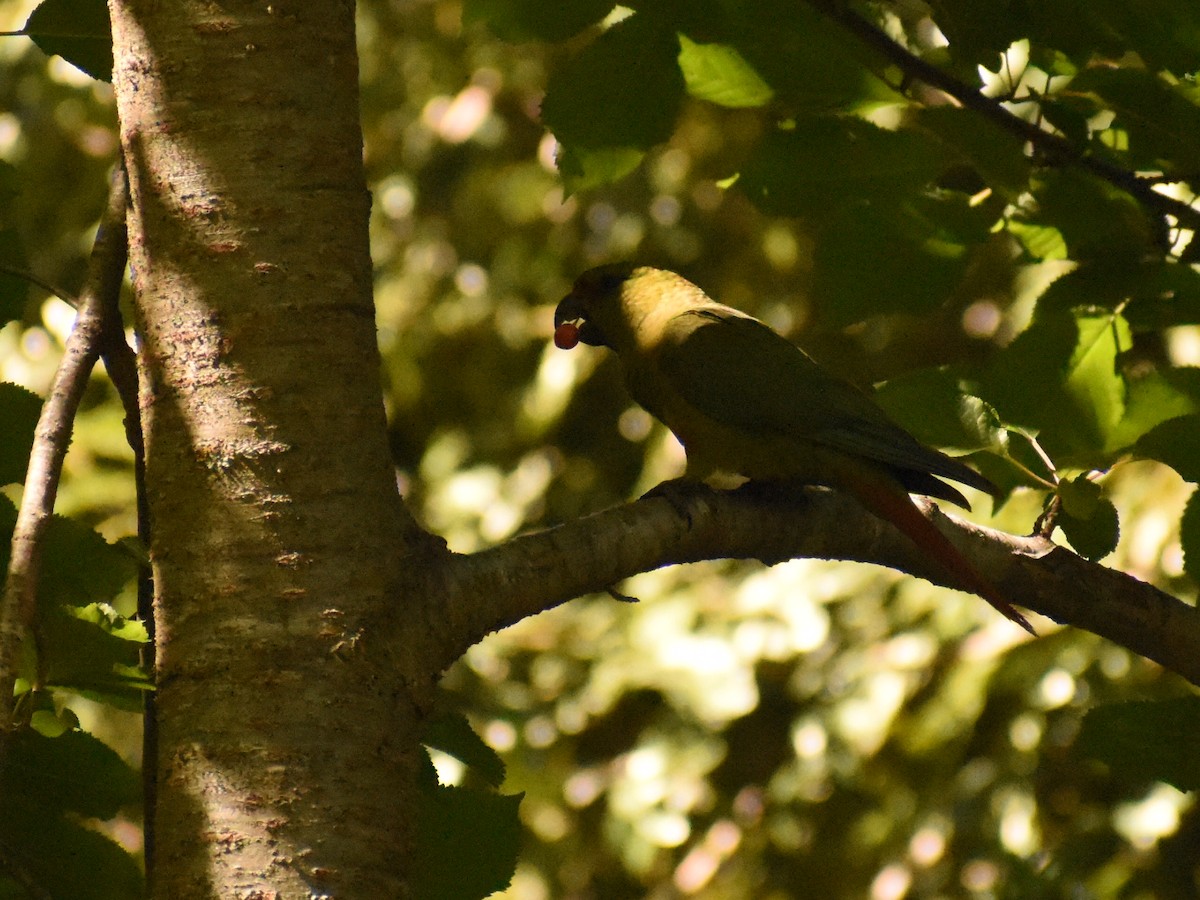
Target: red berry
column 566, row 335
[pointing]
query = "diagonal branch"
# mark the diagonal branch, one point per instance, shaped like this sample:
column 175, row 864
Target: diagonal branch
column 535, row 572
column 1052, row 146
column 106, row 269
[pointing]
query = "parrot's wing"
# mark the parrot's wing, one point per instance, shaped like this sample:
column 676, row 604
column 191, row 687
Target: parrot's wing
column 739, row 372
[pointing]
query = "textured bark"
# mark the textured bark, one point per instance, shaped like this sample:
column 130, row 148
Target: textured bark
column 285, row 754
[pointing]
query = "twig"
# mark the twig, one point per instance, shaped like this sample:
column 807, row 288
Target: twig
column 1051, row 145
column 106, row 268
column 49, row 288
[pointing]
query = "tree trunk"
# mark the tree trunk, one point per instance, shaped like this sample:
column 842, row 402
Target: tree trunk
column 285, row 757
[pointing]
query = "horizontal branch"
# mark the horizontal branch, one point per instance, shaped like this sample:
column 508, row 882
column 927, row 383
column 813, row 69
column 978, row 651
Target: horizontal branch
column 494, row 588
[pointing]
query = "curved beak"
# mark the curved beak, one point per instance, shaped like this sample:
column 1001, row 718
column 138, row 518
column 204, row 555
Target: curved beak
column 571, row 311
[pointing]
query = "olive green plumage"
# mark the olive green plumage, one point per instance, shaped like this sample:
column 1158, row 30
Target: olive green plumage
column 744, row 400
column 733, row 390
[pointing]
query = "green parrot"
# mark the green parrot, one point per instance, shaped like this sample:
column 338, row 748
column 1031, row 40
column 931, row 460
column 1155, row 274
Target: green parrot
column 744, row 400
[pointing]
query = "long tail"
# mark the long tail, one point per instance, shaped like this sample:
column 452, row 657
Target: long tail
column 893, row 505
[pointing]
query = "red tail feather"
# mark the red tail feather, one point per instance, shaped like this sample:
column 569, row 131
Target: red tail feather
column 896, row 507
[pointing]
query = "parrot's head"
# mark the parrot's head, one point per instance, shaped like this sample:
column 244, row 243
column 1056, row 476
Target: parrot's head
column 592, row 312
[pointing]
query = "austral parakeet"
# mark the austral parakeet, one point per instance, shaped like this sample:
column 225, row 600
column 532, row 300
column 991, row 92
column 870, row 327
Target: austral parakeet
column 744, row 400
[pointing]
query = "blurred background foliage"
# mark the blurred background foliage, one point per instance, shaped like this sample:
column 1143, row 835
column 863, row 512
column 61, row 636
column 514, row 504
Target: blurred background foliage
column 809, row 730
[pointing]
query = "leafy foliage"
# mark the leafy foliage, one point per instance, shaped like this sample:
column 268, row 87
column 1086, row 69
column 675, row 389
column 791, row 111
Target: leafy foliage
column 76, row 30
column 48, row 783
column 740, row 732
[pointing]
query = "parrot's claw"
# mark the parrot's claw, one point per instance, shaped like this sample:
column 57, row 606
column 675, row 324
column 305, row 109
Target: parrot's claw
column 679, row 492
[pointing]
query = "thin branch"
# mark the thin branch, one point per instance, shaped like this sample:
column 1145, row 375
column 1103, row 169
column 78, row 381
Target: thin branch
column 106, row 268
column 535, row 572
column 1052, row 146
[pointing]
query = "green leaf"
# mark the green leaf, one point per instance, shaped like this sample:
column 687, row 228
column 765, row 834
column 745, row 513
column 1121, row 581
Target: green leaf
column 92, row 651
column 65, row 859
column 718, row 73
column 523, row 20
column 1097, row 220
column 1041, row 242
column 1162, row 122
column 1095, row 537
column 453, row 735
column 1175, row 442
column 1146, row 740
column 1189, row 536
column 467, row 842
column 977, row 31
column 872, row 260
column 1059, row 379
column 80, row 567
column 1164, row 33
column 1088, row 518
column 583, row 168
column 1165, row 293
column 1094, row 381
column 77, row 30
column 998, row 158
column 74, row 773
column 810, row 63
column 622, row 91
column 826, row 160
column 935, row 407
column 19, row 412
column 1153, row 399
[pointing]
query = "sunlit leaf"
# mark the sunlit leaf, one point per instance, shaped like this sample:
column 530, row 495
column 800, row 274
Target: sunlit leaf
column 1060, row 379
column 719, row 74
column 583, row 168
column 932, row 404
column 1041, row 242
column 1093, row 379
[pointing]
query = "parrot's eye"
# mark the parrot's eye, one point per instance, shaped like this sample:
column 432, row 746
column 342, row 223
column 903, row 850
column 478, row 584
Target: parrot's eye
column 609, row 284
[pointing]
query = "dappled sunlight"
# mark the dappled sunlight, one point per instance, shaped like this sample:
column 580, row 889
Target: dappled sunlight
column 808, row 729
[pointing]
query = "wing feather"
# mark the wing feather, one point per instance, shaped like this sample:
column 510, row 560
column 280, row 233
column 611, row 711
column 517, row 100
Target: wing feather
column 741, row 373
